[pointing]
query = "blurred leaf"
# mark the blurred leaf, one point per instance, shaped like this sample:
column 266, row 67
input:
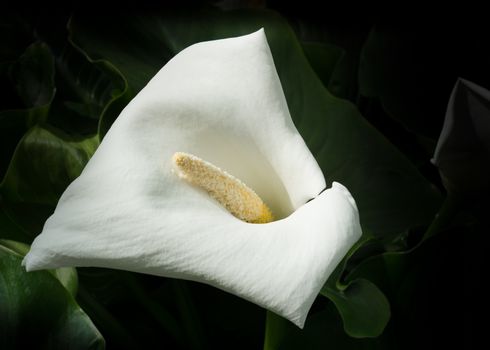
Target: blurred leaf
column 161, row 310
column 16, row 247
column 25, row 220
column 68, row 278
column 463, row 150
column 33, row 76
column 9, row 229
column 364, row 309
column 30, row 81
column 322, row 330
column 131, row 45
column 425, row 304
column 66, row 275
column 114, row 66
column 349, row 39
column 85, row 91
column 326, row 59
column 45, row 162
column 390, row 194
column 37, row 311
column 389, row 191
column 118, row 336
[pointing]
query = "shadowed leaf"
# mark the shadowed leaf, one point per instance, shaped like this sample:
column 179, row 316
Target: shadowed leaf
column 37, row 311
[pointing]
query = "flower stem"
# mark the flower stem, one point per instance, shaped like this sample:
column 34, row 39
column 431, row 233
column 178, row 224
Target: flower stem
column 190, row 319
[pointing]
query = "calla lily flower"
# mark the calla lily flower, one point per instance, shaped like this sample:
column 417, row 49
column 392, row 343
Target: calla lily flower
column 204, row 177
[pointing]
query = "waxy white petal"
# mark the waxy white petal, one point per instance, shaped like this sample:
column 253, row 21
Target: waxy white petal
column 223, row 102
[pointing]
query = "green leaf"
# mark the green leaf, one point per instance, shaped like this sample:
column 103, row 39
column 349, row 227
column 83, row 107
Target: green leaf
column 68, row 278
column 17, row 247
column 322, row 330
column 421, row 289
column 9, row 228
column 348, row 39
column 132, row 47
column 364, row 309
column 33, row 76
column 86, row 90
column 45, row 162
column 22, row 221
column 326, row 59
column 66, row 275
column 37, row 311
column 391, row 195
column 30, row 90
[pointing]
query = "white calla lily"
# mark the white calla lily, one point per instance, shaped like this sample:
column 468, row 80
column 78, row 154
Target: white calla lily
column 221, row 101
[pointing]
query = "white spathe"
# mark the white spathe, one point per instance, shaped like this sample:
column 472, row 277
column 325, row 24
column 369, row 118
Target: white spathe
column 222, row 101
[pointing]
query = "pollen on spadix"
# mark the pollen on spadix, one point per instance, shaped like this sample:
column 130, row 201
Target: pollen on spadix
column 239, row 199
